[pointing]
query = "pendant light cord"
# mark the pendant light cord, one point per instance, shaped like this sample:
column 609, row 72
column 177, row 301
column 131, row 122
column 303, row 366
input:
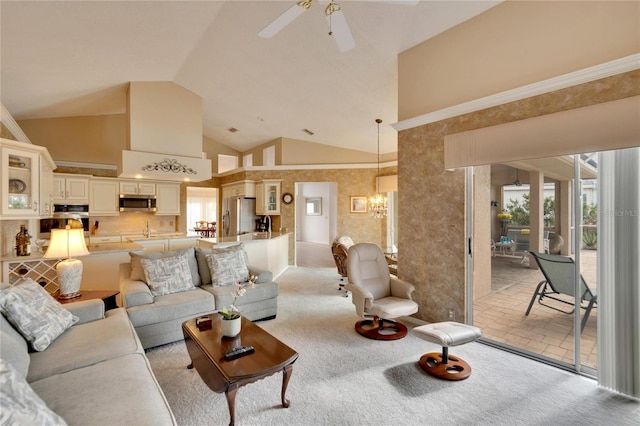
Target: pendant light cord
column 378, row 177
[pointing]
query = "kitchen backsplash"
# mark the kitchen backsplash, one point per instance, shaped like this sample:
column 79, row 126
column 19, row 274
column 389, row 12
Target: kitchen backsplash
column 132, row 223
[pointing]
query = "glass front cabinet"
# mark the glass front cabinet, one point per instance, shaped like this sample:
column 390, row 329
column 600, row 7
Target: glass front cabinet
column 268, row 197
column 22, row 164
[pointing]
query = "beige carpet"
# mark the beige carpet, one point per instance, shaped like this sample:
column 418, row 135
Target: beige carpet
column 342, row 378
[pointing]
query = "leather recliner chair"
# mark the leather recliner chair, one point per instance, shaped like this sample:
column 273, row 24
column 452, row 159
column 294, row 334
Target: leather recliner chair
column 378, row 297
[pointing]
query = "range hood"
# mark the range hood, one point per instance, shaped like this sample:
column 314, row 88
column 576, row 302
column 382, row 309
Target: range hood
column 164, row 135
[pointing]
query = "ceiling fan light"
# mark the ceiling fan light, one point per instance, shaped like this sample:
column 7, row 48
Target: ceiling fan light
column 332, row 8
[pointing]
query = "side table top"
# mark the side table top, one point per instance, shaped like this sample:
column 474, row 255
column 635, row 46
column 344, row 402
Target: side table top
column 88, row 295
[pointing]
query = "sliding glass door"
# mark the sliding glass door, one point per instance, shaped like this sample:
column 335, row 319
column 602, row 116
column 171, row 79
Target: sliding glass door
column 542, row 218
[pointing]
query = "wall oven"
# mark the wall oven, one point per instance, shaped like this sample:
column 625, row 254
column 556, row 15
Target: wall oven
column 74, row 215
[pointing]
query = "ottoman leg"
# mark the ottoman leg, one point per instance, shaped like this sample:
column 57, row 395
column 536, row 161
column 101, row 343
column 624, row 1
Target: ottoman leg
column 445, row 366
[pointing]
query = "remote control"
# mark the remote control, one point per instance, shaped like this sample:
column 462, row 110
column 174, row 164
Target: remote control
column 238, row 352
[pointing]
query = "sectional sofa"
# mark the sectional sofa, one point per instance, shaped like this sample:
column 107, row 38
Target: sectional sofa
column 94, row 372
column 209, row 274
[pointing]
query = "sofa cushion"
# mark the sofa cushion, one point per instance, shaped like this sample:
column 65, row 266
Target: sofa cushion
column 203, row 265
column 19, row 404
column 87, row 344
column 137, row 273
column 34, row 313
column 13, row 347
column 167, row 275
column 171, row 307
column 119, row 391
column 227, row 268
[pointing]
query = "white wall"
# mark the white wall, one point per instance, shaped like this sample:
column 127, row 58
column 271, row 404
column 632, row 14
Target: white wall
column 316, row 229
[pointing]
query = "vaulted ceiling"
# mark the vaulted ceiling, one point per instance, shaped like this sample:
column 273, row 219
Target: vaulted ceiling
column 75, row 58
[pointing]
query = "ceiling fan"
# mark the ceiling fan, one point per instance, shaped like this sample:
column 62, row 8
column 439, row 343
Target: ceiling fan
column 338, row 27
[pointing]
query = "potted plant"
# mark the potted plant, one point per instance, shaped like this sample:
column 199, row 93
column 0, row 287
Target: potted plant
column 231, row 320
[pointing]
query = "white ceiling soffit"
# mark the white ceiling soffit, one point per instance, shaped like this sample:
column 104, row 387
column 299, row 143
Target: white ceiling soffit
column 75, row 58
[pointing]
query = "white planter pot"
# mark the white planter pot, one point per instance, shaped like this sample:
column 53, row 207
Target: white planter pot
column 230, row 328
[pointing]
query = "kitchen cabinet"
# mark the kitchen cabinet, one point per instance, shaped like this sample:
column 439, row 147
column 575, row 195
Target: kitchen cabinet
column 20, row 178
column 153, row 245
column 181, row 243
column 46, row 189
column 268, row 197
column 69, row 189
column 96, row 239
column 103, row 197
column 133, row 187
column 245, row 188
column 168, row 199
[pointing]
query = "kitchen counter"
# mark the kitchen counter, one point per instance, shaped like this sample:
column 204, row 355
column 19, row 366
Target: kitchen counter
column 266, row 250
column 98, row 248
column 251, row 236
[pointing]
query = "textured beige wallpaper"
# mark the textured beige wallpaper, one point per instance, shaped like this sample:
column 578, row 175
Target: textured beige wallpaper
column 432, row 222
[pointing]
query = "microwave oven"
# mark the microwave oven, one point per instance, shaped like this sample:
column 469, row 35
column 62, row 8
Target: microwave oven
column 137, row 203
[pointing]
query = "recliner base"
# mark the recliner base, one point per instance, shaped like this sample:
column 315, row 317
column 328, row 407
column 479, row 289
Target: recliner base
column 454, row 369
column 383, row 330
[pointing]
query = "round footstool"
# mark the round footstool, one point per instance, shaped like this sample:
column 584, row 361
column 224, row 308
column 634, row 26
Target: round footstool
column 446, row 334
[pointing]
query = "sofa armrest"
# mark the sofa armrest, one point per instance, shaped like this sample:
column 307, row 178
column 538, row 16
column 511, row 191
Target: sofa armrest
column 86, row 310
column 264, row 275
column 133, row 292
column 400, row 288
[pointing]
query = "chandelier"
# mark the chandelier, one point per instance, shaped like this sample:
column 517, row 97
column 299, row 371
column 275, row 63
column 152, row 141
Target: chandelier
column 378, row 202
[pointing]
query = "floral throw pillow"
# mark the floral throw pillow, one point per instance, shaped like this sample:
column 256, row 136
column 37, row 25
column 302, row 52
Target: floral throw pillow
column 35, row 314
column 167, row 275
column 227, row 268
column 19, row 404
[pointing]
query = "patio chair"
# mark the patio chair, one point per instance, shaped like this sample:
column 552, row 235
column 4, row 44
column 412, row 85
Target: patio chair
column 559, row 276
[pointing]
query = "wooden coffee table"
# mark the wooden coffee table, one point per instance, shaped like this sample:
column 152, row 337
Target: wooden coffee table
column 207, row 348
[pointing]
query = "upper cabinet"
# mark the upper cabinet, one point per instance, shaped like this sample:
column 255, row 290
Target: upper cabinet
column 268, row 197
column 103, row 197
column 134, row 187
column 20, row 178
column 168, row 199
column 245, row 188
column 46, row 189
column 70, row 189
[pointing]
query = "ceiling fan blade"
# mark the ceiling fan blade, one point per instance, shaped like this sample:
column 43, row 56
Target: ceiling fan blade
column 282, row 21
column 341, row 31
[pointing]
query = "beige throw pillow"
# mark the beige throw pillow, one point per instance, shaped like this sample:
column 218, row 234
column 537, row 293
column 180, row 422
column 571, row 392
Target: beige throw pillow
column 35, row 313
column 227, row 268
column 19, row 404
column 167, row 275
column 137, row 273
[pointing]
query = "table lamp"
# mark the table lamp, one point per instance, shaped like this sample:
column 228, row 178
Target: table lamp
column 67, row 243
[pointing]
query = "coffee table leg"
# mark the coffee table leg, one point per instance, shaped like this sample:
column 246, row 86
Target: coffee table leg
column 231, row 401
column 286, row 375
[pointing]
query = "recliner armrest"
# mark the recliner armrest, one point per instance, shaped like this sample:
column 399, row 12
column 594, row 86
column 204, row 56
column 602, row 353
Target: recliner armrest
column 361, row 298
column 133, row 292
column 401, row 288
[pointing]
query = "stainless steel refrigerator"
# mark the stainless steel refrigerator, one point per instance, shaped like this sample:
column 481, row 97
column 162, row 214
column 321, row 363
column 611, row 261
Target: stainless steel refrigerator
column 238, row 216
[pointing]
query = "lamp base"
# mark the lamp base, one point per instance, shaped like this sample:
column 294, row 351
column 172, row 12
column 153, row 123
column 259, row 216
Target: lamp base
column 69, row 278
column 69, row 296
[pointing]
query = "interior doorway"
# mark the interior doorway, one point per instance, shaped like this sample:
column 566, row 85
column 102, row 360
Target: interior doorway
column 316, row 213
column 202, row 206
